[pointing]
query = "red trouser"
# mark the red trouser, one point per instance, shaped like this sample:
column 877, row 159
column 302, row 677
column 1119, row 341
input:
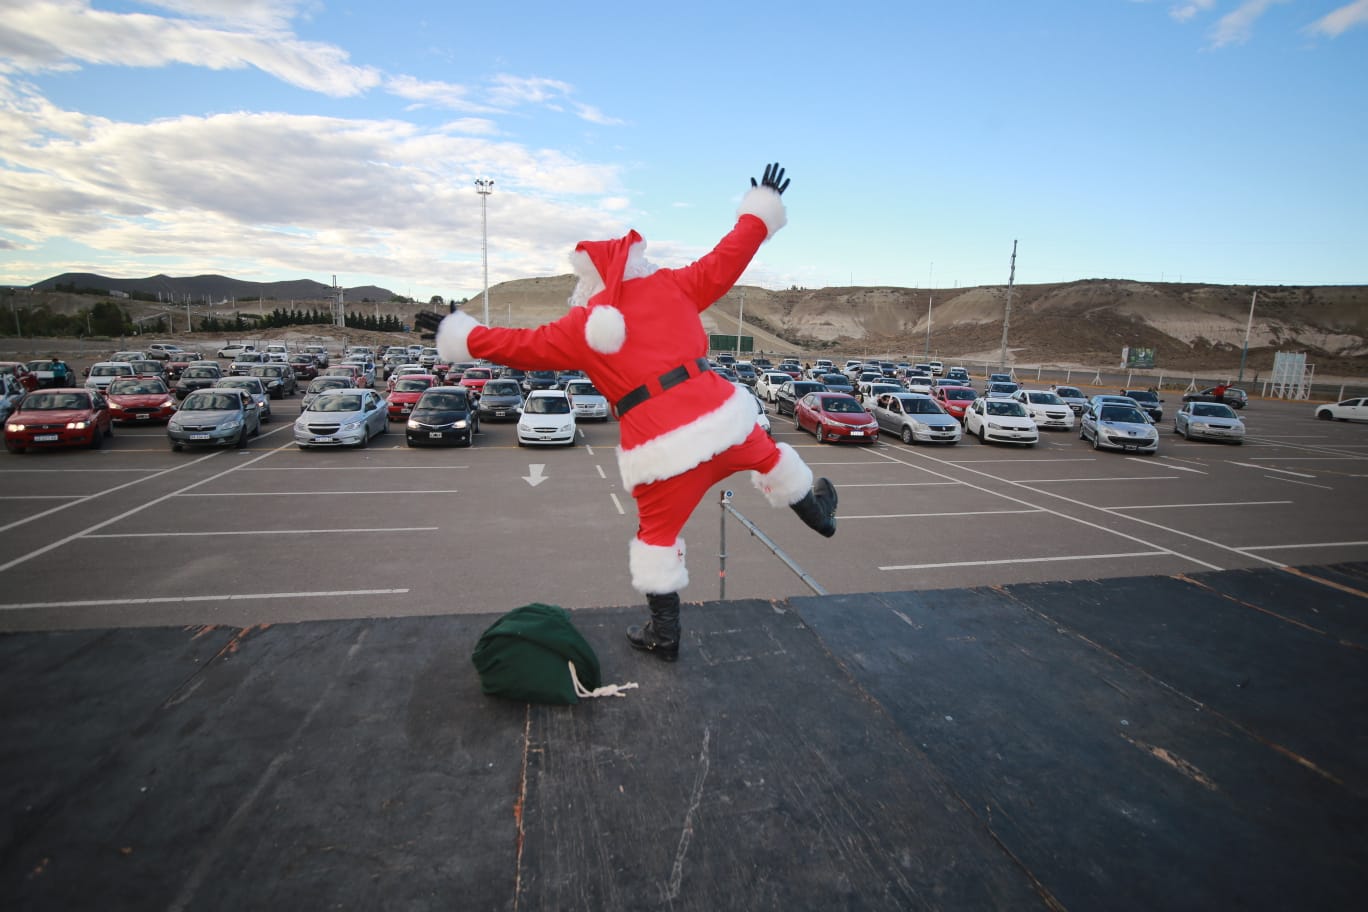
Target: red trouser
column 663, row 507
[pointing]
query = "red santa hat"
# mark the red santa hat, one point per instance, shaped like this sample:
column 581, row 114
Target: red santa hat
column 602, row 267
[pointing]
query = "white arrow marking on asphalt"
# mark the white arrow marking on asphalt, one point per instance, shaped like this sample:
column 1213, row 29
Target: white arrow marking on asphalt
column 535, row 476
column 1271, row 469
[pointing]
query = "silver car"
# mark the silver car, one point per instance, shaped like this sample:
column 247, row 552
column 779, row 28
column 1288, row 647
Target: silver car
column 588, row 402
column 341, row 418
column 214, row 417
column 914, row 418
column 254, row 388
column 1208, row 421
column 1118, row 426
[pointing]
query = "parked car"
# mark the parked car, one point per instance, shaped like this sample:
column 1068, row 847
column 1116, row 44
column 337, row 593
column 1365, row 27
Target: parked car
column 787, row 396
column 1000, row 420
column 341, row 417
column 367, row 369
column 406, row 393
column 1000, row 389
column 955, row 399
column 915, row 418
column 838, row 383
column 959, row 375
column 254, row 387
column 871, row 390
column 937, row 368
column 20, row 373
column 1046, row 409
column 407, row 370
column 140, row 400
column 49, row 372
column 244, row 361
column 1149, row 402
column 149, row 369
column 58, row 417
column 279, row 379
column 588, row 402
column 500, row 401
column 103, row 373
column 1118, row 426
column 835, row 416
column 547, row 417
column 304, row 367
column 920, row 383
column 475, row 378
column 165, row 351
column 130, row 355
column 214, row 417
column 1208, row 421
column 768, row 383
column 233, row 349
column 1348, row 410
column 319, row 384
column 1235, row 398
column 443, row 416
column 197, row 376
column 1000, row 378
column 1073, row 397
column 351, row 371
column 746, row 372
column 319, row 353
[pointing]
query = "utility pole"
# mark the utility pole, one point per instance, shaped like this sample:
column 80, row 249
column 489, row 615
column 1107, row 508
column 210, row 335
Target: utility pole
column 929, row 296
column 1007, row 314
column 1248, row 326
column 740, row 322
column 484, row 187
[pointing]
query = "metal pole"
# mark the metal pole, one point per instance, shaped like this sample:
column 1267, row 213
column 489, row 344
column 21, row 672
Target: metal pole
column 484, row 187
column 740, row 322
column 722, row 554
column 1007, row 314
column 1248, row 326
column 929, row 297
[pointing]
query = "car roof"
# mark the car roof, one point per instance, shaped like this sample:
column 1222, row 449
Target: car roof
column 544, row 394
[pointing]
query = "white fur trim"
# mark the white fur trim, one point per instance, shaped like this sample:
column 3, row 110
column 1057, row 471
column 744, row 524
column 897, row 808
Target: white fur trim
column 691, row 444
column 591, row 283
column 657, row 569
column 605, row 330
column 766, row 205
column 788, row 482
column 452, row 335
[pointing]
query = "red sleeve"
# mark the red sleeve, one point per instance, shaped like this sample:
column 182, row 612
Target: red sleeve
column 551, row 346
column 716, row 272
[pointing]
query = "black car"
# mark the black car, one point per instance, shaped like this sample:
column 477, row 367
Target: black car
column 443, row 416
column 197, row 376
column 279, row 379
column 538, row 380
column 838, row 383
column 500, row 400
column 787, row 396
column 1235, row 398
column 1149, row 401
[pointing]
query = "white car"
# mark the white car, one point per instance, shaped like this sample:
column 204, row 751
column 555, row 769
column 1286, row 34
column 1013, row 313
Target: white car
column 1001, row 420
column 233, row 349
column 769, row 383
column 103, row 373
column 920, row 383
column 1046, row 409
column 547, row 418
column 1210, row 421
column 341, row 417
column 587, row 400
column 1348, row 410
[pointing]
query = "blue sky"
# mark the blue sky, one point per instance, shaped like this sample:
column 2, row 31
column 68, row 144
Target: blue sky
column 1174, row 140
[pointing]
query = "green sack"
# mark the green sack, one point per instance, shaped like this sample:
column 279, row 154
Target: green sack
column 535, row 654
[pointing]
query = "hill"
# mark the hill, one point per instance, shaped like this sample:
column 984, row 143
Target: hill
column 211, row 288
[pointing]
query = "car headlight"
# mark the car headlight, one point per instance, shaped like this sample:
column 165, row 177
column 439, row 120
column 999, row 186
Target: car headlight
column 996, row 427
column 353, row 422
column 412, row 425
column 461, row 425
column 14, row 428
column 232, row 425
column 77, row 425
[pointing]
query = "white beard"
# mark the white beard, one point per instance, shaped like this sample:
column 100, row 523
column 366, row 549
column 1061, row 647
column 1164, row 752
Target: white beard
column 591, row 283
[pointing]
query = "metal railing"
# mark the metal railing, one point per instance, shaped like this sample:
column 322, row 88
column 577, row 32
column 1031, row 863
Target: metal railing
column 727, row 508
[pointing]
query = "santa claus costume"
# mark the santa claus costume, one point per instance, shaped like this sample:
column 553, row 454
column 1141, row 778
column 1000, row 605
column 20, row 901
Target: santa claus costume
column 635, row 330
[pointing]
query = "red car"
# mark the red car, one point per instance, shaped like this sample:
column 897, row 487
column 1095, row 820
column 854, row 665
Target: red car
column 140, row 400
column 835, row 416
column 305, row 367
column 65, row 416
column 955, row 399
column 475, row 378
column 408, row 389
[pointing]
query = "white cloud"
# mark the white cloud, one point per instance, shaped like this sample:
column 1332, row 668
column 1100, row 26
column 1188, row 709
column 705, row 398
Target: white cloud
column 1336, row 23
column 1238, row 26
column 1185, row 11
column 267, row 14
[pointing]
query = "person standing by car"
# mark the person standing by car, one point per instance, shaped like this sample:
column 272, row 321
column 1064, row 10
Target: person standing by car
column 1219, row 391
column 60, row 375
column 636, row 331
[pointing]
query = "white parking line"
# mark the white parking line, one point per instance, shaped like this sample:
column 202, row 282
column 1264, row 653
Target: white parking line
column 617, row 503
column 1029, row 560
column 179, row 599
column 1271, row 469
column 172, row 534
column 899, row 484
column 920, row 515
column 432, row 468
column 1348, row 544
column 304, row 493
column 40, row 496
column 1303, row 483
column 1147, row 461
column 1112, row 478
column 1233, row 503
column 987, row 461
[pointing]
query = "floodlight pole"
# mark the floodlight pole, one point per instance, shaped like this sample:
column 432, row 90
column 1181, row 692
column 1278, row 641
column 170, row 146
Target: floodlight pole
column 1007, row 314
column 1248, row 326
column 929, row 298
column 484, row 187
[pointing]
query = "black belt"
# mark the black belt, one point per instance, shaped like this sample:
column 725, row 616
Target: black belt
column 660, row 384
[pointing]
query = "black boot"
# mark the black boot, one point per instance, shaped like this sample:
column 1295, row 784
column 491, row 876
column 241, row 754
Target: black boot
column 818, row 508
column 660, row 635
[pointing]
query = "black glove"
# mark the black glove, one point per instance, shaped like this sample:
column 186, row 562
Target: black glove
column 774, row 179
column 427, row 322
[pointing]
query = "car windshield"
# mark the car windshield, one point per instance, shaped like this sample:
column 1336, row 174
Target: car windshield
column 581, row 389
column 447, row 402
column 547, row 405
column 1142, row 395
column 1045, row 399
column 477, row 373
column 962, row 394
column 542, row 375
column 42, row 402
column 835, row 380
column 1006, row 407
column 1002, row 387
column 329, row 383
column 501, row 388
column 840, row 405
column 411, row 384
column 251, row 384
column 136, row 387
column 1072, row 392
column 336, row 404
column 211, row 402
column 1211, row 410
column 1122, row 414
column 921, row 407
column 266, row 371
column 111, row 370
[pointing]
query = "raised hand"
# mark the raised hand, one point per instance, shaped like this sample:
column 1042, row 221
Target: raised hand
column 774, row 179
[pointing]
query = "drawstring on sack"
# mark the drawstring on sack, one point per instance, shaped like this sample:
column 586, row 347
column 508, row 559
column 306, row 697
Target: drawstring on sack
column 607, row 690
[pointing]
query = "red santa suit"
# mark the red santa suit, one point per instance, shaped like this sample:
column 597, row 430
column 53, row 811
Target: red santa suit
column 636, row 331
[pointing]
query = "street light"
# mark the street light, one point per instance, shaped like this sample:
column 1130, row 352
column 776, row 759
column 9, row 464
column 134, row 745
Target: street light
column 484, row 187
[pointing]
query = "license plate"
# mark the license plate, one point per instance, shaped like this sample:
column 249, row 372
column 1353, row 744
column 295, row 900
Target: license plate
column 142, row 417
column 324, row 440
column 406, row 409
column 199, row 436
column 857, row 433
column 436, row 435
column 501, row 413
column 44, row 438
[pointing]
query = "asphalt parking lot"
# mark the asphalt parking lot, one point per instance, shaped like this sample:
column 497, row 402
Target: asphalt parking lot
column 136, row 535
